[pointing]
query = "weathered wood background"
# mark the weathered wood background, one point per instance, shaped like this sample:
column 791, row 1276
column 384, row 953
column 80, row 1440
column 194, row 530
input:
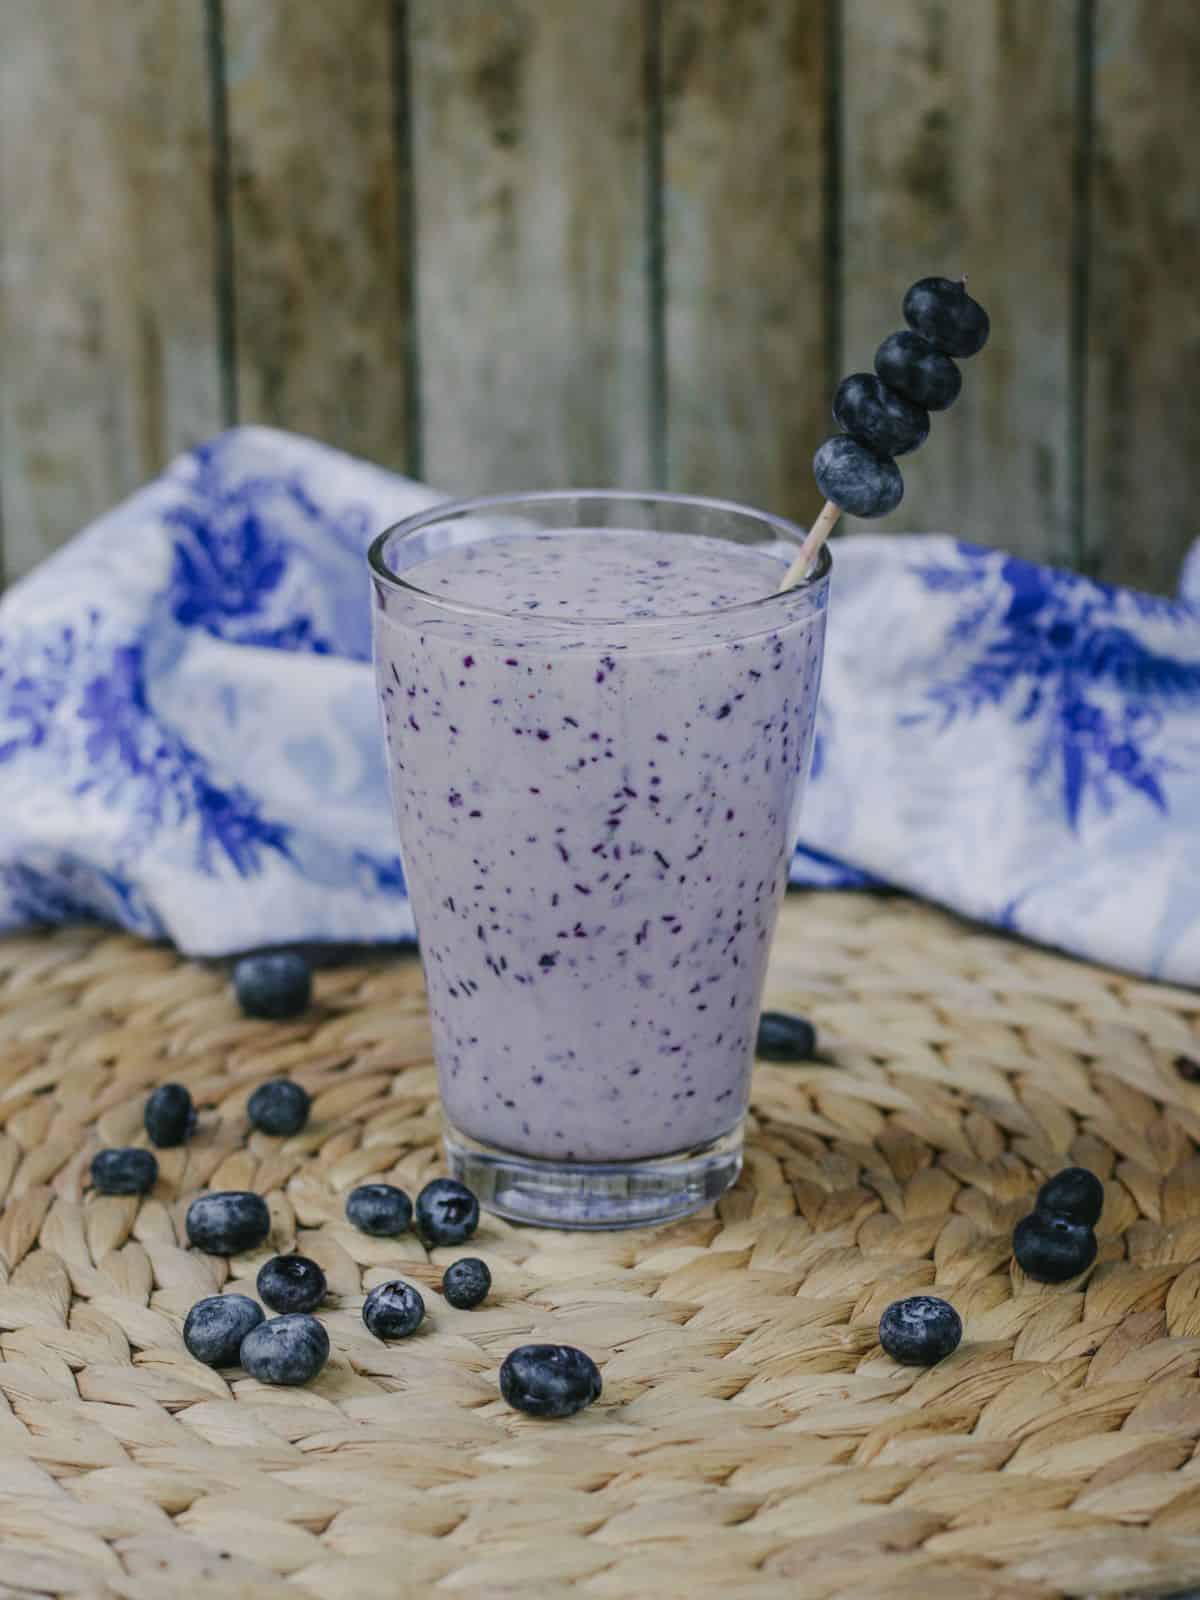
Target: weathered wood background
column 518, row 243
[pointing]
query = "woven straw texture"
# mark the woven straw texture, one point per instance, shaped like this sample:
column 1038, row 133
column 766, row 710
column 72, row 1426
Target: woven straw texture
column 752, row 1438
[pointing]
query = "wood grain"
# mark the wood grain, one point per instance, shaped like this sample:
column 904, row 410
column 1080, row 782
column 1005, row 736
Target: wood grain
column 530, row 175
column 958, row 138
column 1142, row 461
column 110, row 360
column 745, row 93
column 321, row 261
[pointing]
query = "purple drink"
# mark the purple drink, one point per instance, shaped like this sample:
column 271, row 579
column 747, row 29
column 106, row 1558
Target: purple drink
column 597, row 739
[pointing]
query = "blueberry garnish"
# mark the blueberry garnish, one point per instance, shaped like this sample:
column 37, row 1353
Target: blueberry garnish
column 275, row 986
column 466, row 1283
column 130, row 1171
column 169, row 1115
column 447, row 1212
column 1053, row 1249
column 380, row 1209
column 393, row 1310
column 783, row 1037
column 878, row 417
column 279, row 1107
column 291, row 1283
column 855, row 478
column 549, row 1380
column 215, row 1327
column 290, row 1349
column 911, row 365
column 941, row 310
column 1074, row 1193
column 228, row 1222
column 920, row 1330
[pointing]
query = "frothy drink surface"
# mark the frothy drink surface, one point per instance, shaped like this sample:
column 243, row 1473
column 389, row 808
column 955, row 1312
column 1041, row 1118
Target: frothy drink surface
column 595, row 826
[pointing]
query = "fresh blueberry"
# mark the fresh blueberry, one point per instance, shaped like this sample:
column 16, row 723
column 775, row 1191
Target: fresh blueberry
column 279, row 1107
column 887, row 423
column 290, row 1349
column 393, row 1310
column 855, row 478
column 215, row 1327
column 1053, row 1249
column 275, row 986
column 380, row 1209
column 228, row 1222
column 1074, row 1193
column 465, row 1283
column 447, row 1212
column 291, row 1283
column 131, row 1171
column 941, row 310
column 910, row 365
column 920, row 1330
column 169, row 1115
column 549, row 1380
column 782, row 1037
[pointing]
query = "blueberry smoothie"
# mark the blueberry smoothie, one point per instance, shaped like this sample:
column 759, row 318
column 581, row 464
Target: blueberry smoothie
column 598, row 741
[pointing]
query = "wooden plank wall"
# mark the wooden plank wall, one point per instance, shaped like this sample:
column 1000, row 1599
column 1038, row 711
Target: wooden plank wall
column 509, row 243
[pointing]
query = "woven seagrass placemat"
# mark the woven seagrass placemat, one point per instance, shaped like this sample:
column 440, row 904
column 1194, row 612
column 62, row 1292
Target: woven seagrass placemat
column 752, row 1438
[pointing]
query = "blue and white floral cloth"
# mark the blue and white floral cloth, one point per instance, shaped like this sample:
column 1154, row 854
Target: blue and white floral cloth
column 190, row 748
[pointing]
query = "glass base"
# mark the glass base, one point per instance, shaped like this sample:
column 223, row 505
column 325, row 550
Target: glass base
column 594, row 1194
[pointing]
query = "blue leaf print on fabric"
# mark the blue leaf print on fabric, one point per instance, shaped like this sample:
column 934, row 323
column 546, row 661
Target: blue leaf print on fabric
column 132, row 757
column 230, row 557
column 1051, row 647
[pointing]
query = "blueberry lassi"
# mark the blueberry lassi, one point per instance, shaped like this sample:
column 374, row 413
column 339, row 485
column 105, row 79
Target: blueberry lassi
column 597, row 741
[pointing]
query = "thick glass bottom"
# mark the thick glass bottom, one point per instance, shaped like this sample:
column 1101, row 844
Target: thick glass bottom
column 595, row 1194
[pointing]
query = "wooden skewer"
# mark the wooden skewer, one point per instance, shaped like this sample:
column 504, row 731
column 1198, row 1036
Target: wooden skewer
column 815, row 538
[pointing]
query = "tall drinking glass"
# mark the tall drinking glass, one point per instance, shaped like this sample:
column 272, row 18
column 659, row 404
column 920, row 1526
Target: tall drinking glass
column 599, row 717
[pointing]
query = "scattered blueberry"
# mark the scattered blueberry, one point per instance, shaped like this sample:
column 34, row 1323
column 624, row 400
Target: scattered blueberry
column 1053, row 1249
column 549, row 1380
column 941, row 310
column 447, row 1212
column 169, row 1116
column 911, row 365
column 855, row 478
column 131, row 1171
column 291, row 1283
column 393, row 1310
column 380, row 1209
column 228, row 1222
column 290, row 1349
column 878, row 417
column 920, row 1330
column 279, row 1107
column 466, row 1283
column 1074, row 1193
column 215, row 1327
column 783, row 1037
column 274, row 986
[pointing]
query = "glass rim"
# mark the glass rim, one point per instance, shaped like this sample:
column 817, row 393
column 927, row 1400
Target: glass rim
column 409, row 525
